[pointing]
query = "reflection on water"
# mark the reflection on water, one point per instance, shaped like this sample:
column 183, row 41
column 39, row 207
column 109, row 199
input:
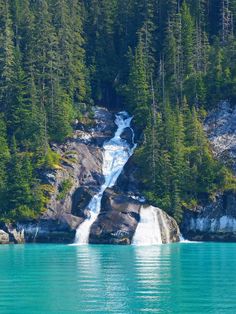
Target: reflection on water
column 177, row 278
column 148, row 276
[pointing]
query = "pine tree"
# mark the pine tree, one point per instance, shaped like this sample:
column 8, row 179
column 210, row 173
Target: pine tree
column 61, row 128
column 138, row 88
column 6, row 54
column 70, row 47
column 147, row 35
column 79, row 71
column 170, row 53
column 24, row 200
column 215, row 75
column 187, row 39
column 4, row 158
column 226, row 21
column 46, row 61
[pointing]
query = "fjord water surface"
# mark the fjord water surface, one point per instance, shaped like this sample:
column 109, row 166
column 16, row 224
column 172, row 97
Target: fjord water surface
column 176, row 278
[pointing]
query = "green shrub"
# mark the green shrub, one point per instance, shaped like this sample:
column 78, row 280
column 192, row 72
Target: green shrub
column 23, row 212
column 52, row 159
column 64, row 188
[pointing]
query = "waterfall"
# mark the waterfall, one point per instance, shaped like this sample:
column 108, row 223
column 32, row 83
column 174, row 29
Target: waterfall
column 148, row 231
column 116, row 153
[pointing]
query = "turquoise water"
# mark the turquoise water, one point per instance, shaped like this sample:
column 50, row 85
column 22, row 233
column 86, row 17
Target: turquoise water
column 177, row 278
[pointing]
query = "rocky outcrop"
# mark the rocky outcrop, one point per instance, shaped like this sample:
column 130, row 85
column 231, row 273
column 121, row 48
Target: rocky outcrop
column 220, row 126
column 71, row 186
column 81, row 169
column 217, row 220
column 11, row 233
column 4, row 237
column 61, row 230
column 117, row 220
column 120, row 216
column 169, row 228
column 127, row 182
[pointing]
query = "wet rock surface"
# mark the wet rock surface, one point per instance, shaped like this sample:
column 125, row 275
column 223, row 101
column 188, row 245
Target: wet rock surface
column 169, row 228
column 127, row 182
column 220, row 126
column 117, row 220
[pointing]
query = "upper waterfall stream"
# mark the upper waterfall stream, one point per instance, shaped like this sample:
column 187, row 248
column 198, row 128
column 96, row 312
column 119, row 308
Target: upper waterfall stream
column 116, row 153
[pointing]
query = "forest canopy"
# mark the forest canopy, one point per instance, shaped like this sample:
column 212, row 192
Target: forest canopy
column 168, row 62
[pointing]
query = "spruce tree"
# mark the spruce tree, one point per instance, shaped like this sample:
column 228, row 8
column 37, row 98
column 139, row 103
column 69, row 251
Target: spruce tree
column 138, row 88
column 4, row 158
column 7, row 59
column 187, row 39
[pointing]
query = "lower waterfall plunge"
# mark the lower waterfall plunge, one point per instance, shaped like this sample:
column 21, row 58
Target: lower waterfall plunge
column 148, row 231
column 116, row 153
column 152, row 228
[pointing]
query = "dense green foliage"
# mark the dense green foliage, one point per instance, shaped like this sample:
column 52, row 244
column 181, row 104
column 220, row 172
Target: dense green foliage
column 64, row 188
column 43, row 87
column 169, row 61
column 170, row 91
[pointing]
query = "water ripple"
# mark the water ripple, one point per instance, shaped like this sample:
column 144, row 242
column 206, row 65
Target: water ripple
column 178, row 278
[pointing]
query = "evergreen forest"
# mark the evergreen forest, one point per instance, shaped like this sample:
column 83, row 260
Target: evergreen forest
column 167, row 62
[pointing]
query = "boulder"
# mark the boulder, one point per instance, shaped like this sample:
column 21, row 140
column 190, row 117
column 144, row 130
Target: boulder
column 80, row 200
column 12, row 233
column 51, row 230
column 120, row 216
column 127, row 182
column 127, row 135
column 168, row 226
column 4, row 237
column 117, row 220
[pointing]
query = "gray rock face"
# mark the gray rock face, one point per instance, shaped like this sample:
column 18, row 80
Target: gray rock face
column 220, row 126
column 4, row 237
column 61, row 230
column 10, row 233
column 127, row 135
column 169, row 228
column 127, row 182
column 82, row 167
column 117, row 220
column 215, row 222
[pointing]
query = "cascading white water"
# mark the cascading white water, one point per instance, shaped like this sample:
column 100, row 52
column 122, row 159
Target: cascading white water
column 148, row 231
column 116, row 153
